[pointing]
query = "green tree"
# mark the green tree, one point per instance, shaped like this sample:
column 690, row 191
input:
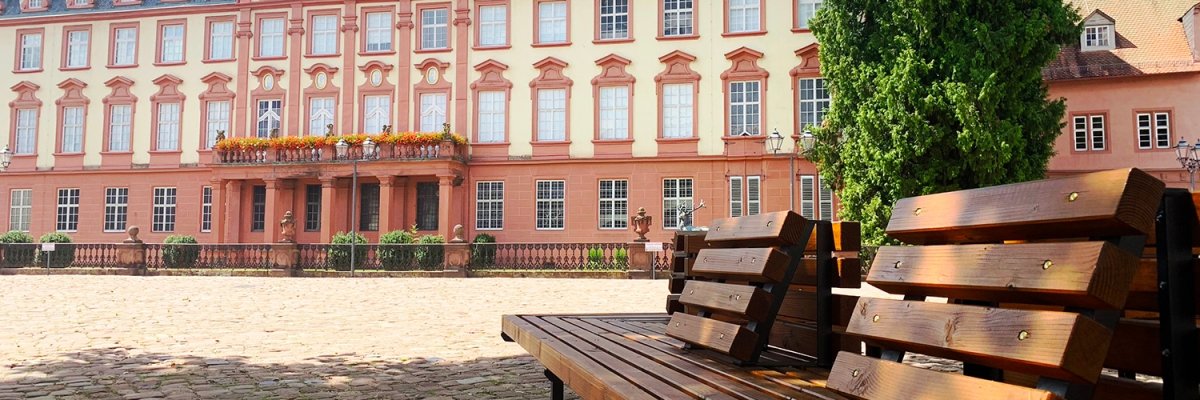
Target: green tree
column 935, row 95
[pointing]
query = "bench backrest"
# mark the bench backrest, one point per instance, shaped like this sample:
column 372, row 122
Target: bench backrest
column 1070, row 243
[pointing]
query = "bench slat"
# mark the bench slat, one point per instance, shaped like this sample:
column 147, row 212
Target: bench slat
column 1092, row 275
column 847, row 236
column 731, row 339
column 783, row 228
column 1113, row 388
column 585, row 376
column 1056, row 344
column 743, row 300
column 872, row 378
column 753, row 264
column 1106, row 204
column 848, row 273
column 1144, row 291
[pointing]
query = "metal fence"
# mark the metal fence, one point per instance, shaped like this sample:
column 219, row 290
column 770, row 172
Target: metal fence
column 73, row 255
column 208, row 256
column 384, row 257
column 550, row 256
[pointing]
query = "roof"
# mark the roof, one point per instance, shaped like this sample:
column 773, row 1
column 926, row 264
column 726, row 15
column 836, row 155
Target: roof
column 12, row 8
column 1150, row 40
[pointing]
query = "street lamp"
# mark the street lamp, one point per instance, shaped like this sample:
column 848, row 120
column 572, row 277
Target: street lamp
column 807, row 142
column 1189, row 158
column 5, row 159
column 343, row 153
column 775, row 140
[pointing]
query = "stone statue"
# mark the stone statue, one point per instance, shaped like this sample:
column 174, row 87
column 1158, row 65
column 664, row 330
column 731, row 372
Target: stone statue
column 641, row 224
column 329, row 130
column 287, row 228
column 133, row 232
column 220, row 135
column 458, row 234
column 685, row 216
column 274, row 133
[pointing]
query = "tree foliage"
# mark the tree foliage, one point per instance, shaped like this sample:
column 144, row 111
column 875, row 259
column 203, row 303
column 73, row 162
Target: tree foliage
column 935, row 95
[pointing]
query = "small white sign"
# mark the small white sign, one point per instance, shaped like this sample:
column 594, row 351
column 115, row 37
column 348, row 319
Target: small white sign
column 654, row 247
column 47, row 246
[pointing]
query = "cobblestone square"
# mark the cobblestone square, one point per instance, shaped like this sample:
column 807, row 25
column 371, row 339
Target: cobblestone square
column 76, row 337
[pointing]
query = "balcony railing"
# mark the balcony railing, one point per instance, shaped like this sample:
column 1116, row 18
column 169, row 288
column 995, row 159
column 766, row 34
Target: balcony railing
column 445, row 150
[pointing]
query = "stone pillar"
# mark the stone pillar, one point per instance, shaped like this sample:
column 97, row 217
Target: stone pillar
column 400, row 186
column 457, row 260
column 218, row 210
column 445, row 205
column 286, row 256
column 327, row 193
column 233, row 217
column 641, row 262
column 274, row 211
column 386, row 193
column 132, row 252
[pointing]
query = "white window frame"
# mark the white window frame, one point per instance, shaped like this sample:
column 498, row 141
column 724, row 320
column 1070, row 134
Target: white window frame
column 116, row 209
column 271, row 37
column 220, row 44
column 614, row 19
column 613, row 204
column 1085, row 127
column 324, row 35
column 72, row 129
column 551, row 198
column 268, row 118
column 1098, row 37
column 745, row 108
column 206, row 208
column 377, row 113
column 433, row 111
column 163, row 214
column 552, row 115
column 736, row 205
column 120, row 127
column 20, row 210
column 67, row 210
column 552, row 22
column 1154, row 130
column 493, row 115
column 673, row 196
column 753, row 195
column 745, row 195
column 31, row 51
column 78, row 48
column 813, row 101
column 489, row 203
column 217, row 115
column 614, row 113
column 171, row 50
column 745, row 16
column 125, row 46
column 168, row 127
column 379, row 32
column 808, row 196
column 805, row 11
column 435, row 28
column 320, row 115
column 678, row 18
column 493, row 25
column 26, row 135
column 678, row 110
column 825, row 201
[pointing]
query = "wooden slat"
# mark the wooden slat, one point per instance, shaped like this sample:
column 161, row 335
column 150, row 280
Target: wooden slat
column 848, row 273
column 675, row 285
column 1113, row 388
column 802, row 338
column 1135, row 347
column 1108, row 204
column 742, row 300
column 847, row 236
column 802, row 305
column 755, row 265
column 734, row 340
column 1058, row 344
column 1143, row 293
column 1092, row 275
column 872, row 378
column 783, row 228
column 673, row 304
column 693, row 242
column 584, row 376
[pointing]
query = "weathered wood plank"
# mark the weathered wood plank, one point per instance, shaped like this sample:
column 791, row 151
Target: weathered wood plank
column 1092, row 275
column 871, row 378
column 783, row 228
column 847, row 236
column 751, row 264
column 1113, row 388
column 1047, row 343
column 584, row 376
column 742, row 300
column 803, row 305
column 1102, row 204
column 802, row 338
column 848, row 273
column 731, row 339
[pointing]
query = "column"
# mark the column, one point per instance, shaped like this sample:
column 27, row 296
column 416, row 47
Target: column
column 462, row 21
column 297, row 43
column 218, row 210
column 241, row 104
column 349, row 65
column 445, row 195
column 274, row 212
column 327, row 193
column 400, row 186
column 234, row 214
column 404, row 51
column 386, row 185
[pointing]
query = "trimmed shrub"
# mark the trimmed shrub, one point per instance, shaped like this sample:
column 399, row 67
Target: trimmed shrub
column 180, row 251
column 18, row 250
column 483, row 253
column 429, row 256
column 621, row 259
column 63, row 254
column 339, row 256
column 399, row 257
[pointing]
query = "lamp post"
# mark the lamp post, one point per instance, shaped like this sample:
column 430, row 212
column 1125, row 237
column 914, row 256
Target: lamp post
column 343, row 153
column 5, row 159
column 1189, row 158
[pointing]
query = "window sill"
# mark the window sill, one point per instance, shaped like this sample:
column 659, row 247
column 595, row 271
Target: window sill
column 612, row 141
column 612, row 41
column 27, row 71
column 677, row 140
column 740, row 34
column 555, row 44
column 25, row 10
column 801, row 30
column 71, row 6
column 489, row 229
column 71, row 154
column 490, row 144
column 83, row 68
column 169, row 64
column 729, row 138
column 429, row 51
column 115, row 153
column 216, row 61
column 334, row 55
column 492, row 47
column 121, row 66
column 678, row 37
column 377, row 53
column 166, row 152
column 271, row 58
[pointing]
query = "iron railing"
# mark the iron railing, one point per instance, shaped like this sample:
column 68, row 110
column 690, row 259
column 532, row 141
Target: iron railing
column 75, row 255
column 208, row 256
column 550, row 256
column 662, row 260
column 385, row 257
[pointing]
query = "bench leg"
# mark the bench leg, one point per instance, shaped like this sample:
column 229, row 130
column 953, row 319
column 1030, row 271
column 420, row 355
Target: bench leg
column 556, row 385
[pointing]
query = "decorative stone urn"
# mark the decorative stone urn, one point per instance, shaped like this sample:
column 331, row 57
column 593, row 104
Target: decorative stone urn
column 641, row 224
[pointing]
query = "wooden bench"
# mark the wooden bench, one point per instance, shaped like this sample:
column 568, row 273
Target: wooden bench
column 1065, row 249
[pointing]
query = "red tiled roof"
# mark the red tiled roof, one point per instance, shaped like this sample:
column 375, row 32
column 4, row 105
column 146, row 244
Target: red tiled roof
column 1150, row 40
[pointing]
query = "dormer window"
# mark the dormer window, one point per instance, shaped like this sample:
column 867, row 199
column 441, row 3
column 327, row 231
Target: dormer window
column 1099, row 32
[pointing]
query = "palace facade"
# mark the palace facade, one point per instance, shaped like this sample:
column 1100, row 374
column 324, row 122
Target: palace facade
column 576, row 114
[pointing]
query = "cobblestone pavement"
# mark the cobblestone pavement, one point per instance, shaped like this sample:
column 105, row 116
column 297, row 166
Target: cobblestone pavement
column 74, row 337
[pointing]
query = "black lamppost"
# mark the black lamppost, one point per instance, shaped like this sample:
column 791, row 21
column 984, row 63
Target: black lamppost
column 343, row 153
column 5, row 159
column 1189, row 158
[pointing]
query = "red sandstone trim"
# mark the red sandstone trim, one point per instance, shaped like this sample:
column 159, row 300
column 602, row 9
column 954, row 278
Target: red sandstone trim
column 678, row 70
column 423, row 87
column 25, row 8
column 72, row 6
column 385, row 88
column 762, row 21
column 507, row 24
column 64, row 55
column 120, row 95
column 491, row 78
column 449, row 24
column 309, row 22
column 1170, row 111
column 168, row 93
column 158, row 41
column 218, row 90
column 20, row 34
column 695, row 24
column 809, row 68
column 613, row 74
column 744, row 67
column 26, row 99
column 312, row 91
column 628, row 33
column 537, row 24
column 551, row 76
column 362, row 37
column 208, row 23
column 258, row 23
column 1108, row 143
column 112, row 43
column 260, row 94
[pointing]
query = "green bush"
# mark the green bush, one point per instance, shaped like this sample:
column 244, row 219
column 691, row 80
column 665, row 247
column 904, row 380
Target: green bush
column 180, row 251
column 483, row 253
column 621, row 259
column 395, row 258
column 338, row 257
column 63, row 254
column 18, row 249
column 429, row 256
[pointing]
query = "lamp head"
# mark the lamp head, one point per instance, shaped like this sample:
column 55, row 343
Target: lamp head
column 342, row 148
column 368, row 148
column 775, row 140
column 5, row 158
column 807, row 141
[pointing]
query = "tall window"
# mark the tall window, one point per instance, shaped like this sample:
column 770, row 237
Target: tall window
column 805, row 11
column 435, row 31
column 552, row 22
column 493, row 25
column 320, row 115
column 379, row 31
column 814, row 102
column 427, row 206
column 78, row 45
column 172, row 44
column 270, row 40
column 1089, row 130
column 816, row 200
column 551, row 204
column 677, row 18
column 168, row 127
column 206, row 207
column 744, row 16
column 217, row 119
column 676, row 192
column 378, row 111
column 744, row 105
column 614, row 19
column 324, row 35
column 268, row 117
column 72, row 129
column 116, row 209
column 745, row 196
column 492, row 116
column 753, row 195
column 20, row 210
column 614, row 203
column 31, row 52
column 552, row 114
column 220, row 43
column 68, row 211
column 124, row 46
column 1154, row 130
column 163, row 219
column 677, row 110
column 489, row 205
column 312, row 208
column 433, row 111
column 368, row 216
column 614, row 112
column 120, row 120
column 27, row 126
column 258, row 208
